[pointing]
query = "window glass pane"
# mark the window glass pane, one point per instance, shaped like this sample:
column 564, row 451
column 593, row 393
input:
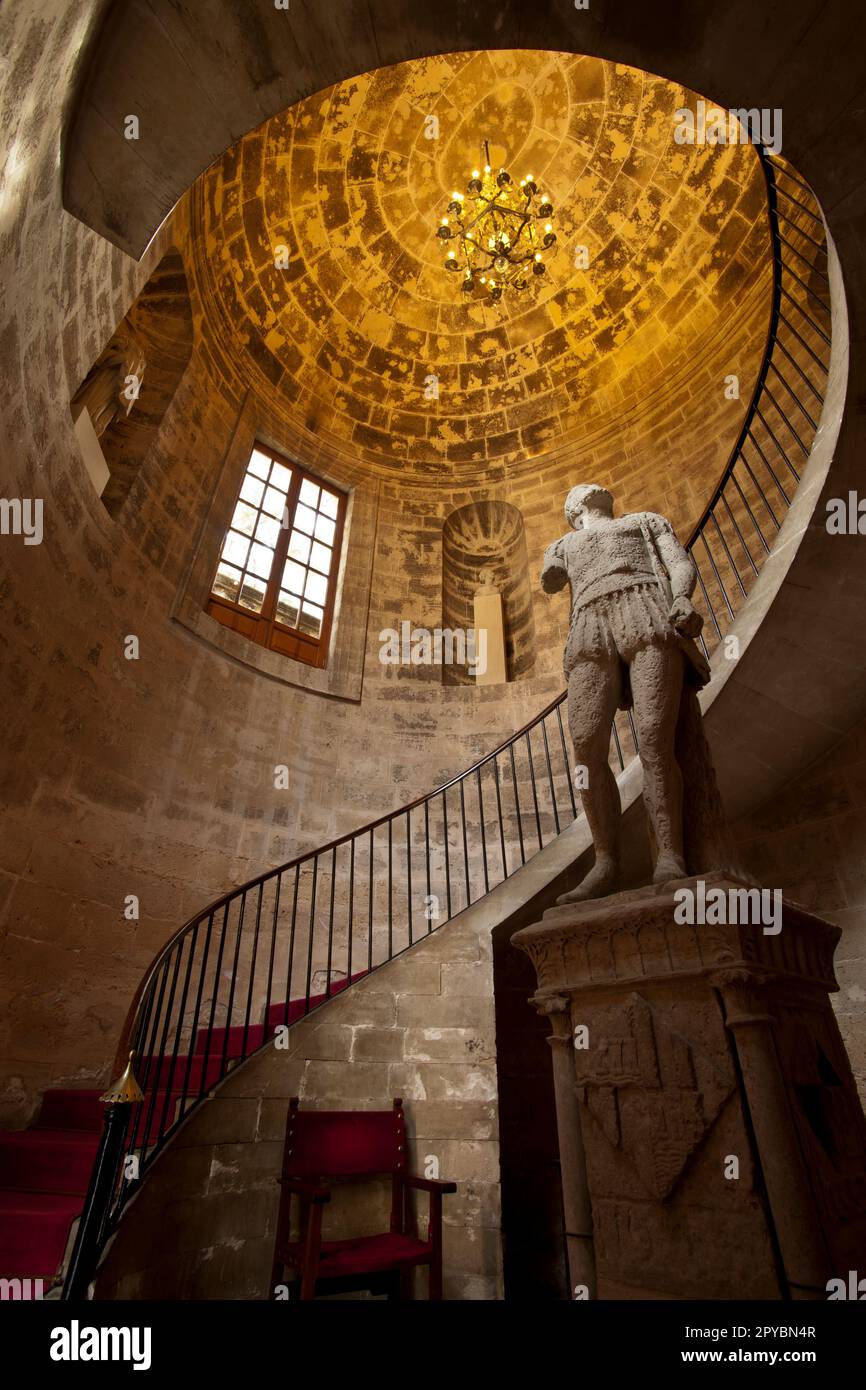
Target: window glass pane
column 267, row 531
column 310, row 493
column 305, row 519
column 227, row 581
column 287, row 609
column 275, row 501
column 252, row 490
column 246, row 569
column 260, row 561
column 299, row 547
column 316, row 587
column 244, row 518
column 328, row 504
column 321, row 557
column 235, row 549
column 259, row 464
column 281, row 477
column 293, row 577
column 310, row 620
column 252, row 593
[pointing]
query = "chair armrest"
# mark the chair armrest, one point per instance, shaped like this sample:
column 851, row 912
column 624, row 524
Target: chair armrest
column 429, row 1184
column 304, row 1187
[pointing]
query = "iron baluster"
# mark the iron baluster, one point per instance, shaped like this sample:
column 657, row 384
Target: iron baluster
column 331, row 922
column 272, row 955
column 465, row 845
column 231, row 1004
column 312, row 933
column 255, row 952
column 483, row 831
column 290, row 961
column 534, row 788
column 196, row 1012
column 499, row 815
column 550, row 775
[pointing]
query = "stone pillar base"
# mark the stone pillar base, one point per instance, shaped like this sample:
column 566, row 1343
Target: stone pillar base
column 721, row 1143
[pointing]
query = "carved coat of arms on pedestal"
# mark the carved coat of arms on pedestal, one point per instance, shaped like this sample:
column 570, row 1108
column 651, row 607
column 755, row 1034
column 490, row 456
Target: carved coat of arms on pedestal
column 654, row 1094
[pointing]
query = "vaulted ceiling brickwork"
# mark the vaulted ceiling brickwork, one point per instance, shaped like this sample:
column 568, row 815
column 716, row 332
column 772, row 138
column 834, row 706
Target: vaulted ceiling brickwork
column 349, row 332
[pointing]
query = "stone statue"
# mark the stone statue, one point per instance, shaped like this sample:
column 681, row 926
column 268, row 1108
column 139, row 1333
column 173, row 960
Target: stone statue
column 487, row 582
column 630, row 644
column 112, row 386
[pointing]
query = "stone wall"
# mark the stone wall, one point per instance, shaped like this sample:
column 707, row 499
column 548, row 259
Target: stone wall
column 154, row 777
column 808, row 842
column 422, row 1028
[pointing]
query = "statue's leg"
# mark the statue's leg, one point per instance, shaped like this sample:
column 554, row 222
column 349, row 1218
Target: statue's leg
column 593, row 695
column 657, row 683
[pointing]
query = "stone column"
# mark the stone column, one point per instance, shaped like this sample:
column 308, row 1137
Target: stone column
column 576, row 1204
column 802, row 1246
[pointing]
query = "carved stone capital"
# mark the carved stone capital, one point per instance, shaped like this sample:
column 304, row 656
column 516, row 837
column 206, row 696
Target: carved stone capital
column 550, row 1003
column 628, row 939
column 744, row 992
column 556, row 1007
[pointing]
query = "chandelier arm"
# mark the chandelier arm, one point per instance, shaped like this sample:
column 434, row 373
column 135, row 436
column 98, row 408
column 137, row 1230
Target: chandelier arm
column 477, row 218
column 483, row 212
column 482, row 250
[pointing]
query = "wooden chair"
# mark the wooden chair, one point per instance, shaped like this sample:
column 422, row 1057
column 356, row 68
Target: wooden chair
column 353, row 1144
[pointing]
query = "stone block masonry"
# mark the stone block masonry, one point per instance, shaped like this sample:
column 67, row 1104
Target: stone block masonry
column 154, row 777
column 422, row 1028
column 712, row 1141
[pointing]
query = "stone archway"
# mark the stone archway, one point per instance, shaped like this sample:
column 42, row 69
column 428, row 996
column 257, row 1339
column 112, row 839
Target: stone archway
column 160, row 324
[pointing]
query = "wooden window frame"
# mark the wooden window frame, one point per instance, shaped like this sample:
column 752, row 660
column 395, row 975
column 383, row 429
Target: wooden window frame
column 265, row 628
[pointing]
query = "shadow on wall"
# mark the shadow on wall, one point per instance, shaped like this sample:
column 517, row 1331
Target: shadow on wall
column 151, row 349
column 488, row 535
column 532, row 1220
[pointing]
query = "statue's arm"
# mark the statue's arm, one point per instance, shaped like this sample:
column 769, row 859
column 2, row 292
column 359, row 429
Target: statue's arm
column 677, row 562
column 554, row 575
column 683, row 576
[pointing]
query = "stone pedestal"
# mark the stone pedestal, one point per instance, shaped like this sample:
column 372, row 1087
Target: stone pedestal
column 488, row 619
column 710, row 1131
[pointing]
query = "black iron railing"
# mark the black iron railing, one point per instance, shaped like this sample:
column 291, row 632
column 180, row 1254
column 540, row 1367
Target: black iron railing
column 746, row 511
column 267, row 954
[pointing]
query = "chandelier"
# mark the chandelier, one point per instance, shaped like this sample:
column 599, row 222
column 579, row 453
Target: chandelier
column 502, row 230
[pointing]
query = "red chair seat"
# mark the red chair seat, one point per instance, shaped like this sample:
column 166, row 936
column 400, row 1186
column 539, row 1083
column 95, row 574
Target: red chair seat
column 371, row 1254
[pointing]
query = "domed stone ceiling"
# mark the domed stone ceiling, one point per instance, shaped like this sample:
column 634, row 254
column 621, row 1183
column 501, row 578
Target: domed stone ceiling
column 349, row 332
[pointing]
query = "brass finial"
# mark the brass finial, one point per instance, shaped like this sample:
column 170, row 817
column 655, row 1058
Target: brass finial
column 125, row 1090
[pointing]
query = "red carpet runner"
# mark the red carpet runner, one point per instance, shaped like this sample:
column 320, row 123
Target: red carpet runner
column 45, row 1170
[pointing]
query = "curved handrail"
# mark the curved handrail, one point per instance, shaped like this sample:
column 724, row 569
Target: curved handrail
column 308, row 855
column 748, row 420
column 179, row 1000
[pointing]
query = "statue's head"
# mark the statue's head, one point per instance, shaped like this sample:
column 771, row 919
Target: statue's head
column 583, row 497
column 487, row 581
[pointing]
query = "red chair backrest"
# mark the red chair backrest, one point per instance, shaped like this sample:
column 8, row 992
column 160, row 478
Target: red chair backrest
column 344, row 1143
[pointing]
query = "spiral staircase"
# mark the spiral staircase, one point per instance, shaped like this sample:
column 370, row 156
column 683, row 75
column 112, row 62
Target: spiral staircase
column 265, row 956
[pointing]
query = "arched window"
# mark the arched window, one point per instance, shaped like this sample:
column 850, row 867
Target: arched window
column 276, row 579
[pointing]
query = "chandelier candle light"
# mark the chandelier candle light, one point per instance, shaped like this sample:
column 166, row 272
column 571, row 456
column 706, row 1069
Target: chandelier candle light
column 502, row 230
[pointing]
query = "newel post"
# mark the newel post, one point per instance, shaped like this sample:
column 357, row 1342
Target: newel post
column 118, row 1100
